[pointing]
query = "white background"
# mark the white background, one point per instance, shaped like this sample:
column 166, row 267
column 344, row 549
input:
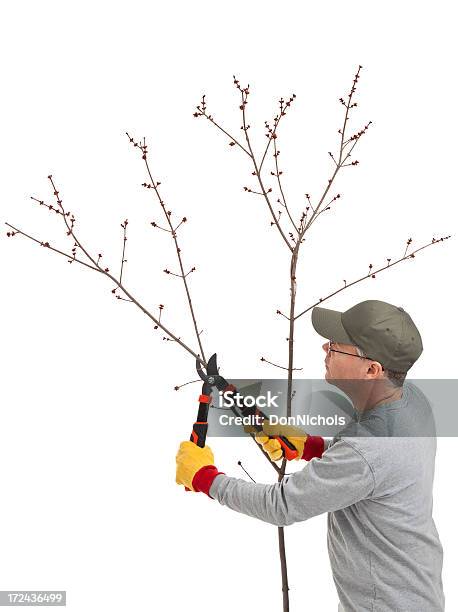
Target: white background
column 89, row 420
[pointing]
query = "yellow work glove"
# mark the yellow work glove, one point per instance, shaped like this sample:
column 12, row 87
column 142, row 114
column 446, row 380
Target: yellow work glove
column 272, row 447
column 190, row 459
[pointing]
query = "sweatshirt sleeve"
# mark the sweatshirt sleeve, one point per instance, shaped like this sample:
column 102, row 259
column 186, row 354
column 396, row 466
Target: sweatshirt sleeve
column 339, row 479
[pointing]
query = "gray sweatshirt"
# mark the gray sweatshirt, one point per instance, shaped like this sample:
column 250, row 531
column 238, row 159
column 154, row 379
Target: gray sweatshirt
column 375, row 481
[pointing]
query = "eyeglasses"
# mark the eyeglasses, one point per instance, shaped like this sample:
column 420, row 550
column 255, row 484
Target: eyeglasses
column 331, row 342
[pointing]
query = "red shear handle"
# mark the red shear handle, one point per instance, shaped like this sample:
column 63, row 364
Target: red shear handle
column 199, row 429
column 289, row 450
column 199, row 433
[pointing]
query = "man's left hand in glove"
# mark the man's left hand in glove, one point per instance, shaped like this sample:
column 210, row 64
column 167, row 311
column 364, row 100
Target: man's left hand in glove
column 195, row 469
column 272, row 447
column 307, row 446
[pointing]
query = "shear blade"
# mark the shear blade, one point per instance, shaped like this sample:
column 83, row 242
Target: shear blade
column 200, row 370
column 212, row 368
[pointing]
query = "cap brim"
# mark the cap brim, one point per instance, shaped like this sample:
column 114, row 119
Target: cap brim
column 328, row 323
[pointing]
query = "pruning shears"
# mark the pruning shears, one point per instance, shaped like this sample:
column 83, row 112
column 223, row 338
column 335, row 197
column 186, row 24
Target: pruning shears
column 199, row 429
column 211, row 379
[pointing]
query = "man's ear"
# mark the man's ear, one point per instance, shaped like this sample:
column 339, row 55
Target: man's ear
column 376, row 368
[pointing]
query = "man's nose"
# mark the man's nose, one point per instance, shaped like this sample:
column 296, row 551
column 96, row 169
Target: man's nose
column 325, row 347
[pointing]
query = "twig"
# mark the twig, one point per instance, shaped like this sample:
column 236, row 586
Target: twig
column 190, row 382
column 49, row 246
column 240, row 464
column 202, row 112
column 167, row 214
column 272, row 134
column 342, row 157
column 124, row 226
column 277, row 174
column 244, row 98
column 278, row 366
column 105, row 271
column 372, row 274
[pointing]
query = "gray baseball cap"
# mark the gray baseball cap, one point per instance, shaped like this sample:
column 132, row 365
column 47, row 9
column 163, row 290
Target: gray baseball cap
column 386, row 333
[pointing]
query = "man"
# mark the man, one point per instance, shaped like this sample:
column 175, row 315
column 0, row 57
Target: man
column 374, row 478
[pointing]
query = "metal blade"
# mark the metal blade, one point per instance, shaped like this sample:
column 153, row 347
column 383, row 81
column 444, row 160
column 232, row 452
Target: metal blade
column 212, row 368
column 200, row 370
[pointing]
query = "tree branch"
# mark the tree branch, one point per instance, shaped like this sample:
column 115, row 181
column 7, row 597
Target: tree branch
column 276, row 365
column 124, row 226
column 280, row 187
column 106, row 273
column 244, row 94
column 372, row 274
column 167, row 214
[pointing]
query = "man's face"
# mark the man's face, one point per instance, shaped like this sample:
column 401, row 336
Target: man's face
column 363, row 380
column 340, row 366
